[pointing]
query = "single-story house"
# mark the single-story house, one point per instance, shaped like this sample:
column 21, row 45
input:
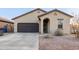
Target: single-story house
column 6, row 25
column 41, row 21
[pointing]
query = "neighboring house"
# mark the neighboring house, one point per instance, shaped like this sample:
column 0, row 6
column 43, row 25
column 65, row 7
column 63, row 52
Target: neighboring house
column 41, row 21
column 6, row 25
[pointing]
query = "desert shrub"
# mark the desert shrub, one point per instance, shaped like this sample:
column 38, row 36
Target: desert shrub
column 59, row 32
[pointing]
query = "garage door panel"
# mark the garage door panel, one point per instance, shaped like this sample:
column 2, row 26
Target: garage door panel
column 28, row 27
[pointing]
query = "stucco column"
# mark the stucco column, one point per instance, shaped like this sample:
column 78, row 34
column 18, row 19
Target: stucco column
column 15, row 27
column 41, row 26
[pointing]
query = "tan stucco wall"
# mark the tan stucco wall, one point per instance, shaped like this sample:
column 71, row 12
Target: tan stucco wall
column 2, row 24
column 54, row 22
column 29, row 18
column 10, row 26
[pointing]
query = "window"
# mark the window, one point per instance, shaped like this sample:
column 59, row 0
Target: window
column 60, row 26
column 60, row 23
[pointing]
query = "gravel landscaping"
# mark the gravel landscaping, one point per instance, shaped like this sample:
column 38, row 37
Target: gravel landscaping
column 68, row 42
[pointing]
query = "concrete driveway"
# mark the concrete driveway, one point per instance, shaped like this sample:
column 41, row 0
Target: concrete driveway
column 19, row 41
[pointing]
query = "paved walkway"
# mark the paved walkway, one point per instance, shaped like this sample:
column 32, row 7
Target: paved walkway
column 19, row 41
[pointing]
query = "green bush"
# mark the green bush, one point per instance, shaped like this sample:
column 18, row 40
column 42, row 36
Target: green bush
column 59, row 32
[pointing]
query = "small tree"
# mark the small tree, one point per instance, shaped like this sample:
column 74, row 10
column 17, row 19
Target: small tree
column 75, row 27
column 77, row 30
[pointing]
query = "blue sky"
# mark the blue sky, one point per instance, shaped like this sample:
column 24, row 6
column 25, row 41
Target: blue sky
column 13, row 12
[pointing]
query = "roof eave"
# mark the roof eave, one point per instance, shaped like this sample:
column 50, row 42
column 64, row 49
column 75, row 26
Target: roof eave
column 28, row 13
column 56, row 10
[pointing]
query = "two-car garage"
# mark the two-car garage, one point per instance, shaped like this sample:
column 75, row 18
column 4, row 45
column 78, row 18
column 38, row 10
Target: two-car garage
column 28, row 22
column 28, row 27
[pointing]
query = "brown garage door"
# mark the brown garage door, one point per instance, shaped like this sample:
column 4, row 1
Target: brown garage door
column 28, row 27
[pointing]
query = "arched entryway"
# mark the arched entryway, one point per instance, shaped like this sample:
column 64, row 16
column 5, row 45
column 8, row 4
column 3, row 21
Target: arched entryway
column 46, row 25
